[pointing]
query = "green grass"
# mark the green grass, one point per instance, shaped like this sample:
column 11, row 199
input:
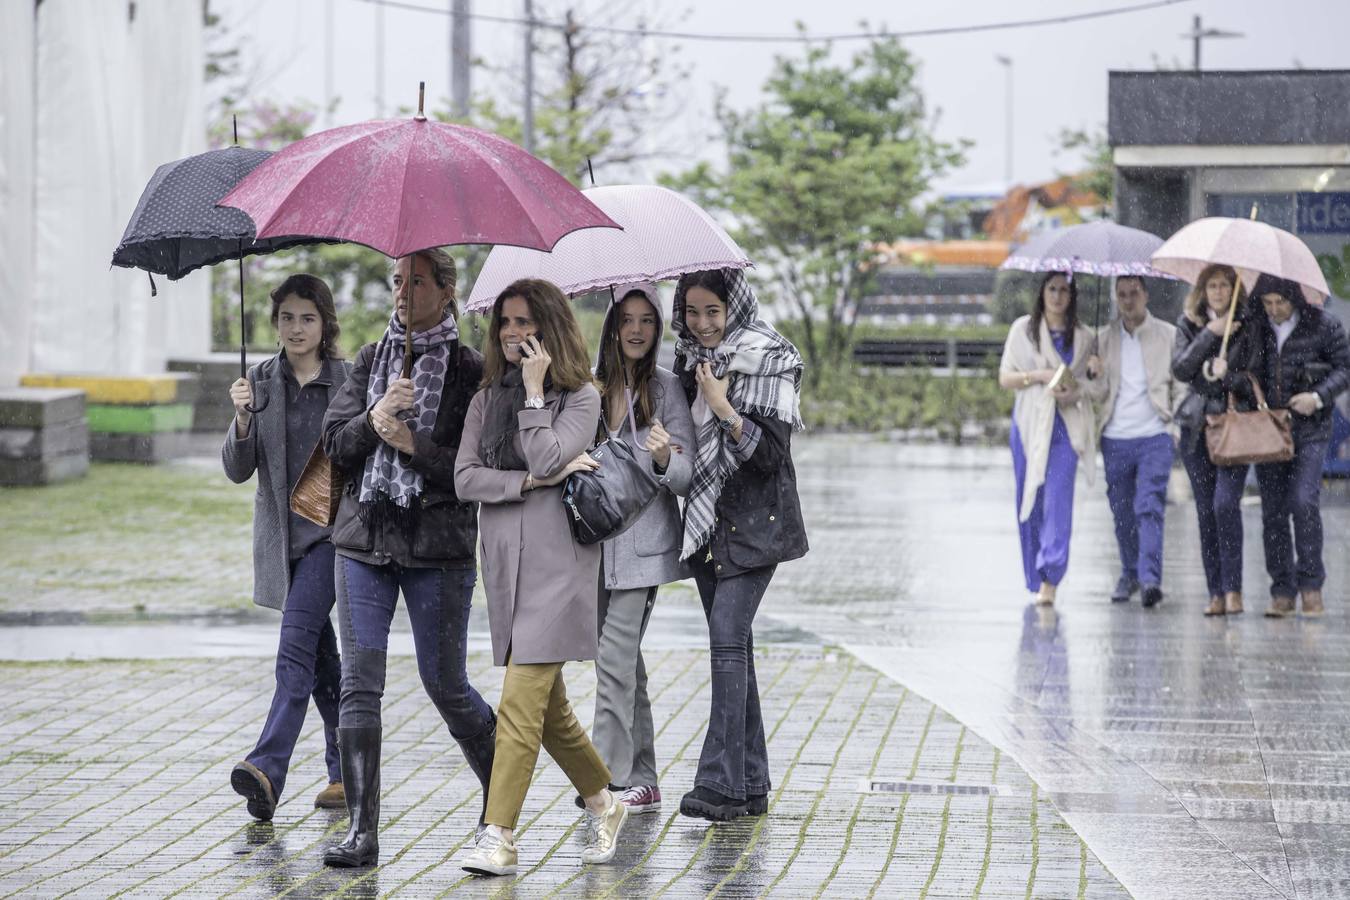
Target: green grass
column 168, row 538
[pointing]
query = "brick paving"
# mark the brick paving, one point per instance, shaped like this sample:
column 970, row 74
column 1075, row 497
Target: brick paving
column 114, row 782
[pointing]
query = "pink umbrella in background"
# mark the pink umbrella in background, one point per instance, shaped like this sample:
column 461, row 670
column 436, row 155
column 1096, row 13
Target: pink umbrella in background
column 1250, row 248
column 403, row 185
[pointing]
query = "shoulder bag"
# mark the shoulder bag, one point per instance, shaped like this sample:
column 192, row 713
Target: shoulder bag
column 602, row 503
column 318, row 490
column 1263, row 435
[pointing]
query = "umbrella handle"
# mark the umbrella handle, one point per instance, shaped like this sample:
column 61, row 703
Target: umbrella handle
column 1232, row 309
column 254, row 407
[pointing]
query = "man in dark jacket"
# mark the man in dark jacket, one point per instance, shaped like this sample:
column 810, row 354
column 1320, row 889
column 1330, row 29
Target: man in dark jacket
column 1304, row 363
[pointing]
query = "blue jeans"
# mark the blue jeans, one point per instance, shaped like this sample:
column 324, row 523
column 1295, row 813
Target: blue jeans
column 307, row 664
column 1293, row 490
column 1136, row 487
column 438, row 606
column 1218, row 498
column 735, row 758
column 1045, row 534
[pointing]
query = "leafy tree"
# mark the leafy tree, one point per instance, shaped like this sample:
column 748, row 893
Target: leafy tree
column 1100, row 174
column 832, row 163
column 1337, row 271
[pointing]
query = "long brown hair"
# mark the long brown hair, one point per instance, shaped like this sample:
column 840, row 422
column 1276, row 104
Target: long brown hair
column 609, row 369
column 1195, row 300
column 557, row 331
column 1038, row 310
column 315, row 290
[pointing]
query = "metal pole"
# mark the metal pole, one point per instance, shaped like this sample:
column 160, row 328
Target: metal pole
column 529, row 76
column 460, row 55
column 379, row 61
column 1197, row 35
column 1007, row 64
column 328, row 64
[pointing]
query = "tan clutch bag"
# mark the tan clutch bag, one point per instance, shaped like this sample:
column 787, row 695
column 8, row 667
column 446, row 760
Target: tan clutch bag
column 319, row 490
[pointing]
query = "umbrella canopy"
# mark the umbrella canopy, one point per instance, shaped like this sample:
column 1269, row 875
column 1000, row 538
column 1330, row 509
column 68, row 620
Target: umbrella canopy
column 1095, row 248
column 177, row 226
column 1248, row 246
column 664, row 235
column 403, row 185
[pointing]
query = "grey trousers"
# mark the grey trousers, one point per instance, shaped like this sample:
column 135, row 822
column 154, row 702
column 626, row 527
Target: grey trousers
column 623, row 732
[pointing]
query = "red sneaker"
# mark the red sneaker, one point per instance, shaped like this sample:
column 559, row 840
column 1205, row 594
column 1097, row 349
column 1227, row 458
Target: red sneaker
column 642, row 798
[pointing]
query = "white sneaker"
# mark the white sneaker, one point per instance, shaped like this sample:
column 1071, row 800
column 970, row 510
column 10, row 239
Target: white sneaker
column 491, row 855
column 603, row 832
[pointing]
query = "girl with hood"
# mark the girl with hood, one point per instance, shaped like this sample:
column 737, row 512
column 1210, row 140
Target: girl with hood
column 1303, row 366
column 643, row 404
column 742, row 518
column 402, row 528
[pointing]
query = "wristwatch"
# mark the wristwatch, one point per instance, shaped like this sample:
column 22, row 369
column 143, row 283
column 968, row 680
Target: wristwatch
column 534, row 402
column 729, row 423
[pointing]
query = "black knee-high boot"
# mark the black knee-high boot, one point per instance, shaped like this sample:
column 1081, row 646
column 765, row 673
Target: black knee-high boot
column 360, row 749
column 479, row 751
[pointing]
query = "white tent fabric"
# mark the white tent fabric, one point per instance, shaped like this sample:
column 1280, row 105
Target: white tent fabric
column 118, row 90
column 17, row 74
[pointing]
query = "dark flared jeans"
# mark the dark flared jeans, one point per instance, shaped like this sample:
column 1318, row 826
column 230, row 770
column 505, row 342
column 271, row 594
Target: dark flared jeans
column 1293, row 491
column 735, row 759
column 307, row 664
column 1218, row 508
column 438, row 603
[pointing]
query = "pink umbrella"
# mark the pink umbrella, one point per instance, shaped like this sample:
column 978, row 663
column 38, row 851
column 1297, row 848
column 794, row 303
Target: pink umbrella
column 403, row 185
column 1248, row 246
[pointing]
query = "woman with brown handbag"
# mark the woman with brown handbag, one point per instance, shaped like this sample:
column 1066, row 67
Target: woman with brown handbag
column 1211, row 376
column 292, row 556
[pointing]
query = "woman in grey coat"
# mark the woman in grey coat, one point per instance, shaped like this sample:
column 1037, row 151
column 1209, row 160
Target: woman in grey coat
column 526, row 431
column 644, row 405
column 292, row 556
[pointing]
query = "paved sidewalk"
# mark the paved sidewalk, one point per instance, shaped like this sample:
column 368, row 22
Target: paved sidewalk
column 114, row 783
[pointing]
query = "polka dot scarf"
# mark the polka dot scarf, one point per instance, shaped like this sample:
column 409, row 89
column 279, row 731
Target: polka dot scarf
column 386, row 479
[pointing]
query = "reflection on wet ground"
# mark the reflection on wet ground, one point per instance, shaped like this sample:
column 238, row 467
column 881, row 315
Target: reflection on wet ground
column 1197, row 757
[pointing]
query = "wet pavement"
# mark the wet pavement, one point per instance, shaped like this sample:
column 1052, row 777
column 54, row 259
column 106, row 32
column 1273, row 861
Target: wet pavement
column 1194, row 757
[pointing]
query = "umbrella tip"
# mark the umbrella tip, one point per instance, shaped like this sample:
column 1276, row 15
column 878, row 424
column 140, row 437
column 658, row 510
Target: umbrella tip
column 590, row 169
column 421, row 98
column 234, row 117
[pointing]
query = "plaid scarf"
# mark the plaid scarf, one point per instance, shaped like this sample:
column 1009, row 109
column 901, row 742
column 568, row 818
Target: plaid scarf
column 387, row 485
column 766, row 376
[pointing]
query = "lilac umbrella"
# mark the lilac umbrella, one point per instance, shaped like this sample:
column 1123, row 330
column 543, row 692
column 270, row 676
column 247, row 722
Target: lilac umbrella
column 664, row 235
column 1100, row 248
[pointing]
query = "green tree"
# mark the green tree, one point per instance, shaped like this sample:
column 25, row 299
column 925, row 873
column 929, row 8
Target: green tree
column 1099, row 175
column 832, row 163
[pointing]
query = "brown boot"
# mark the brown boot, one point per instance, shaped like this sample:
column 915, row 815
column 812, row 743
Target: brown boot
column 1233, row 601
column 1280, row 607
column 331, row 797
column 1312, row 603
column 1215, row 607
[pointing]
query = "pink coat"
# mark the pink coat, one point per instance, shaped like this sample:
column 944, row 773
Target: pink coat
column 541, row 585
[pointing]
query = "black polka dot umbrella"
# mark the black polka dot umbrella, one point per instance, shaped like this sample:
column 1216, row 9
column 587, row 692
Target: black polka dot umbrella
column 178, row 228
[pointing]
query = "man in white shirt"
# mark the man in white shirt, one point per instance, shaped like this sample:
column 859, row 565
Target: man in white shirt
column 1137, row 438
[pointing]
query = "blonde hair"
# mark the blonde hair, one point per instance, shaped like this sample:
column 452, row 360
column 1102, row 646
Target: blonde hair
column 557, row 331
column 443, row 272
column 1195, row 300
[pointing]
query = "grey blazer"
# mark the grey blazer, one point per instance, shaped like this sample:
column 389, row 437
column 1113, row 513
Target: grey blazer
column 647, row 553
column 264, row 451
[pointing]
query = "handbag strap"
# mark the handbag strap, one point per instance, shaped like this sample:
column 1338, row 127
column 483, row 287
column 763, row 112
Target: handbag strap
column 1256, row 392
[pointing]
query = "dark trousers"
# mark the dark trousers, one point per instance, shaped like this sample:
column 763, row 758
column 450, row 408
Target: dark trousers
column 438, row 606
column 1293, row 490
column 307, row 664
column 1136, row 487
column 1218, row 499
column 735, row 758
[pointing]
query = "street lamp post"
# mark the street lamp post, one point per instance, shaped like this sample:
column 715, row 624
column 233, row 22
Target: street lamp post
column 1007, row 64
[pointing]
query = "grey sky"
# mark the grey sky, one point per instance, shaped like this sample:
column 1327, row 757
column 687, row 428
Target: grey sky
column 1060, row 71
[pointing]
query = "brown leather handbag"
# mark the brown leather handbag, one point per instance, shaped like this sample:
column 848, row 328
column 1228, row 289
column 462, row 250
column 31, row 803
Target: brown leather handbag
column 319, row 489
column 1263, row 435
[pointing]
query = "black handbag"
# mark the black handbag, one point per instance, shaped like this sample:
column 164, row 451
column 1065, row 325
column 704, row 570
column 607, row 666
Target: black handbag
column 602, row 503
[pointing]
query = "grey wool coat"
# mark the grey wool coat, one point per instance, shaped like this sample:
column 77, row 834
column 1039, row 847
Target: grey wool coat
column 540, row 584
column 647, row 553
column 264, row 452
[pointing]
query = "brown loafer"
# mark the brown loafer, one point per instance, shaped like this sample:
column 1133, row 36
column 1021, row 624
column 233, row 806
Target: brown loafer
column 1233, row 601
column 1312, row 603
column 1280, row 607
column 331, row 797
column 1216, row 606
column 251, row 783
